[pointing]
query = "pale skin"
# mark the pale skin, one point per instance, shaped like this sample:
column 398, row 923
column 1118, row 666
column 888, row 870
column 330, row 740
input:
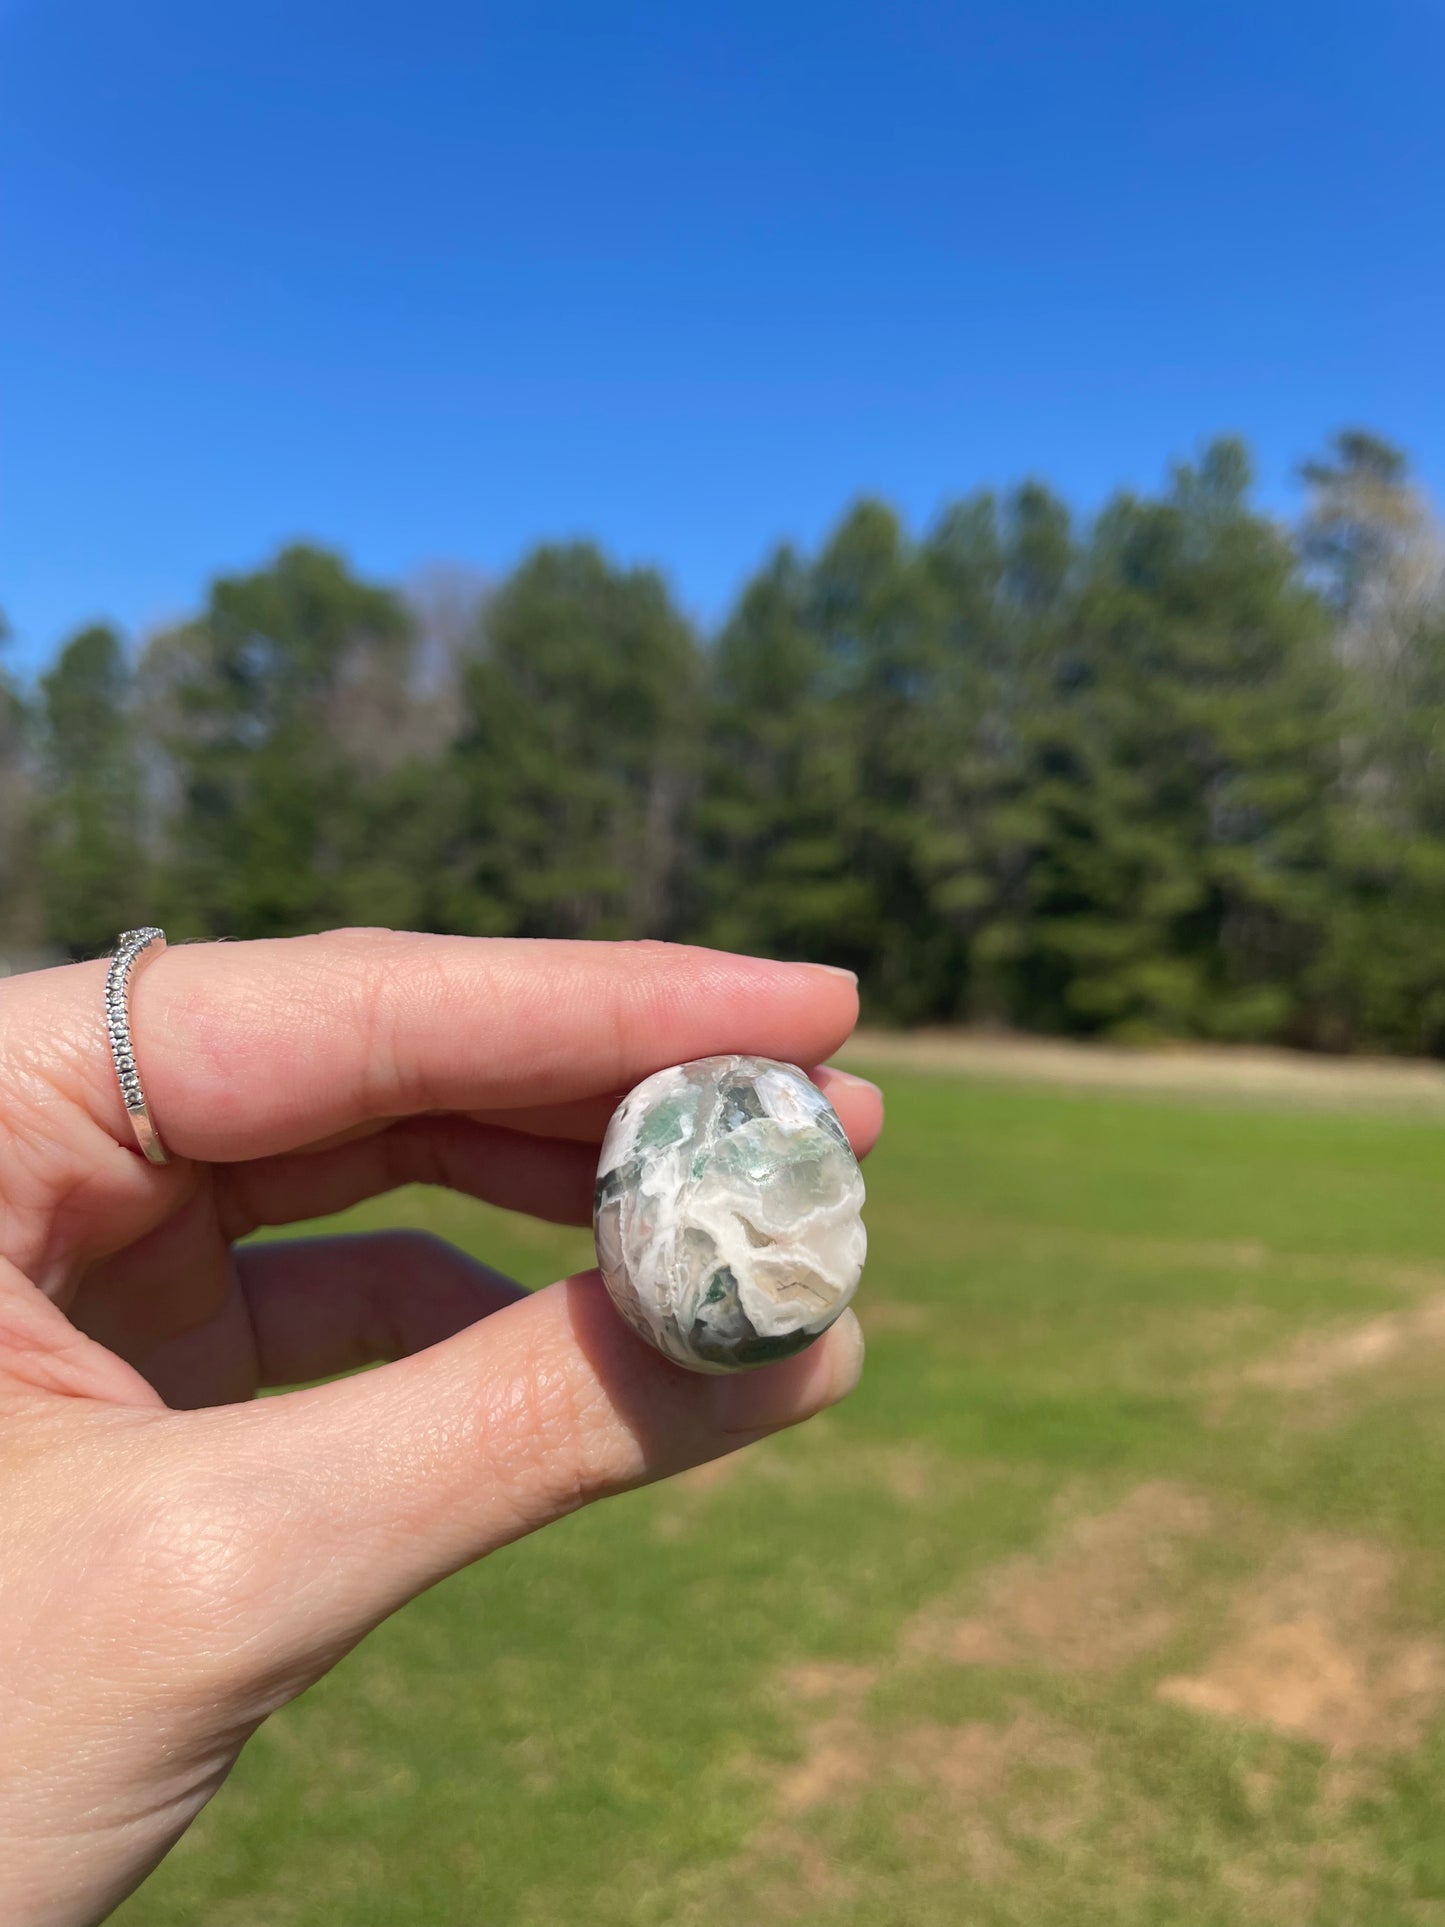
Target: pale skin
column 179, row 1559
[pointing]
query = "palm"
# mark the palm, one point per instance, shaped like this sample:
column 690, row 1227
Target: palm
column 172, row 1304
column 206, row 1323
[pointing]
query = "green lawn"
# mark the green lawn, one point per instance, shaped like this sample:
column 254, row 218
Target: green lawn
column 1116, row 1594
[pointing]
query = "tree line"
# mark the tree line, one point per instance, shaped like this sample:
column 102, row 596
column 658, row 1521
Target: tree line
column 1176, row 771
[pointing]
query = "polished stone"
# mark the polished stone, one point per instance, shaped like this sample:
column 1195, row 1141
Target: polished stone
column 727, row 1212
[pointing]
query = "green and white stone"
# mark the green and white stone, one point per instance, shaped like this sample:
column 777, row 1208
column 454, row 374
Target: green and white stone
column 727, row 1212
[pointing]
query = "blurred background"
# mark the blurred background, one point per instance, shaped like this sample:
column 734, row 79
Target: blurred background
column 943, row 490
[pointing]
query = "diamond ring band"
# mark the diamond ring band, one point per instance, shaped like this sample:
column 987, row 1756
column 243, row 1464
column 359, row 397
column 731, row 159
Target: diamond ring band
column 130, row 947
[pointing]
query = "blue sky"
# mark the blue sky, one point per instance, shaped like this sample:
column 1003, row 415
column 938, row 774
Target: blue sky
column 433, row 281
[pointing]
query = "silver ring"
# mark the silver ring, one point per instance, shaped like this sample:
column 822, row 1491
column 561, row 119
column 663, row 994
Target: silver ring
column 130, row 946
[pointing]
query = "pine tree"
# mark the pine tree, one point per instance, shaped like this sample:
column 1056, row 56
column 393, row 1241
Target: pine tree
column 279, row 711
column 577, row 750
column 21, row 916
column 93, row 862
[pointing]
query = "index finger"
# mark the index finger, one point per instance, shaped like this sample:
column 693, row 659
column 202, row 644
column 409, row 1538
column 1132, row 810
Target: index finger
column 248, row 1049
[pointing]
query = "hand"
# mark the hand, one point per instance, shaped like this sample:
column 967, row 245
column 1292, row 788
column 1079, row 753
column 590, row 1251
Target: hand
column 175, row 1561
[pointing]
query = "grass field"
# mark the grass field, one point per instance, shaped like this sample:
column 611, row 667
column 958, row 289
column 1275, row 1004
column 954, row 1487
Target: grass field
column 1116, row 1595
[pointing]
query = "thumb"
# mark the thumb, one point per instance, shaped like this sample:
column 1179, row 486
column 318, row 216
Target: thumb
column 396, row 1477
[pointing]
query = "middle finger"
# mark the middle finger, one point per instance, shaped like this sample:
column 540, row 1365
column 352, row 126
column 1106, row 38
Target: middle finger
column 549, row 1178
column 541, row 1161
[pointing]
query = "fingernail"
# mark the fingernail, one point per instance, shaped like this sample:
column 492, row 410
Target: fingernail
column 736, row 958
column 848, row 1350
column 783, row 1394
column 807, row 963
column 836, row 1076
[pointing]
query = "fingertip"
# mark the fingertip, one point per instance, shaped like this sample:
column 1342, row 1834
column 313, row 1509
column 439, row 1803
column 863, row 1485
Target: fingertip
column 776, row 1396
column 858, row 1102
column 819, row 986
column 833, row 1077
column 849, row 1349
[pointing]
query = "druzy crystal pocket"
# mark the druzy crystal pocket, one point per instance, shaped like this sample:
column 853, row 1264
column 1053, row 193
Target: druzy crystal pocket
column 727, row 1212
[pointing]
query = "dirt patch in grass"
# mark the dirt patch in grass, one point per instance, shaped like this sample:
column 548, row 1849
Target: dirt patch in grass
column 1312, row 1655
column 1312, row 1649
column 1032, row 1798
column 1028, row 1757
column 1104, row 1594
column 837, row 1744
column 1321, row 1359
column 843, row 1752
column 950, row 1783
column 989, row 1789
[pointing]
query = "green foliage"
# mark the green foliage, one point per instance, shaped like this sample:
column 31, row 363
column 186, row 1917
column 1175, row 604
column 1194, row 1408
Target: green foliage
column 1207, row 699
column 576, row 751
column 1361, row 509
column 90, row 829
column 279, row 713
column 1178, row 772
column 19, row 895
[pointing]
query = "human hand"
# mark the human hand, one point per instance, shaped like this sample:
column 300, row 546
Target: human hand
column 176, row 1561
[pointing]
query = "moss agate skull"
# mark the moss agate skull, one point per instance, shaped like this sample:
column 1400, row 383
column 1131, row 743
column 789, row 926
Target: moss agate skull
column 728, row 1212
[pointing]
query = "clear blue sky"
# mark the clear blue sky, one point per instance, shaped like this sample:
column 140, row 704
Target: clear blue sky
column 436, row 280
